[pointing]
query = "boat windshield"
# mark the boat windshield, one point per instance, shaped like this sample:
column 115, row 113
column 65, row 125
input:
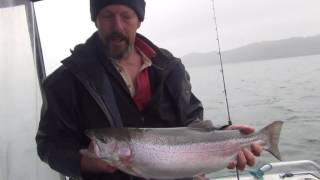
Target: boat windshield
column 20, row 95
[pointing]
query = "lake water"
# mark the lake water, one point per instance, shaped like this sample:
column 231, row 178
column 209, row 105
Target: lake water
column 264, row 91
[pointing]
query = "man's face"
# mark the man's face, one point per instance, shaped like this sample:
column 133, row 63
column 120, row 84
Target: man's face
column 117, row 26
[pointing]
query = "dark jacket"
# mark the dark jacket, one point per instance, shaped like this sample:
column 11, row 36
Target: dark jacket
column 87, row 92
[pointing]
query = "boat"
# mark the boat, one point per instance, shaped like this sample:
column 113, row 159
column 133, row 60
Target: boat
column 290, row 170
column 21, row 74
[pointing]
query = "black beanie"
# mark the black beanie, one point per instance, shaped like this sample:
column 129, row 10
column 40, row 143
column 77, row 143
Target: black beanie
column 137, row 5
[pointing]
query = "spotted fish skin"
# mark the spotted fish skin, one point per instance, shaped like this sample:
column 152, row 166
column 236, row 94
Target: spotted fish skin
column 170, row 153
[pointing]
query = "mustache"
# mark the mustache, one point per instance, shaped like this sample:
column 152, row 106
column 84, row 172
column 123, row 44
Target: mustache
column 118, row 35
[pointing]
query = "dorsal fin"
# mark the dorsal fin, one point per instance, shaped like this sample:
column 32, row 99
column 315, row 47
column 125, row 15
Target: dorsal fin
column 205, row 125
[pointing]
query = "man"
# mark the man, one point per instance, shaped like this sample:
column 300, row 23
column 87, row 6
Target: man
column 118, row 78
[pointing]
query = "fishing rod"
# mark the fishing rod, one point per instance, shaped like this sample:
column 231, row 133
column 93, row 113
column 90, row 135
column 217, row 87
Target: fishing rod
column 221, row 63
column 222, row 71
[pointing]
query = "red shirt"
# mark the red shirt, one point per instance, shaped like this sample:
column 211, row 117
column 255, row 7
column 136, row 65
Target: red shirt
column 143, row 89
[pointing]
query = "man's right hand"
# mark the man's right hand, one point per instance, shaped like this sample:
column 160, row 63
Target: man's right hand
column 90, row 162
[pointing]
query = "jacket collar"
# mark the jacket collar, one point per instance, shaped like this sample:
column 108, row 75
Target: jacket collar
column 144, row 47
column 90, row 59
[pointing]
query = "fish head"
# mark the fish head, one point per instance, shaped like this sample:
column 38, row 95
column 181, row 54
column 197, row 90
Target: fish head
column 110, row 149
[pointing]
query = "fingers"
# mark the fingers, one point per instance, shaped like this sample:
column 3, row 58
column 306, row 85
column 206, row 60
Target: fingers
column 91, row 163
column 256, row 149
column 242, row 161
column 106, row 167
column 250, row 158
column 91, row 146
column 246, row 157
column 92, row 151
column 200, row 176
column 232, row 165
column 242, row 128
column 86, row 152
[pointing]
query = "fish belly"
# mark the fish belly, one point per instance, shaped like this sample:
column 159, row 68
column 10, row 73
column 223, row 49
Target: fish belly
column 166, row 162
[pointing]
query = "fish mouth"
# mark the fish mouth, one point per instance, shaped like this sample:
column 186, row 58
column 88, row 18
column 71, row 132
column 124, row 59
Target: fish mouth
column 89, row 133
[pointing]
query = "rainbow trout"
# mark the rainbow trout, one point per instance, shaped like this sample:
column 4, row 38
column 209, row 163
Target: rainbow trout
column 170, row 153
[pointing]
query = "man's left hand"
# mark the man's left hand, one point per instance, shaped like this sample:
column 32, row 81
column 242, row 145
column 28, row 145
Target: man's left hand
column 247, row 155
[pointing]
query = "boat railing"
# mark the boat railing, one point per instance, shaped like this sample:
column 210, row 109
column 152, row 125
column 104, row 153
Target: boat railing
column 286, row 169
column 294, row 170
column 296, row 163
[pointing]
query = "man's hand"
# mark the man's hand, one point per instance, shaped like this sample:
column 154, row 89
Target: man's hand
column 246, row 156
column 91, row 163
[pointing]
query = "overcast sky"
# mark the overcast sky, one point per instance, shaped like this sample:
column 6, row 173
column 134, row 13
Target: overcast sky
column 184, row 26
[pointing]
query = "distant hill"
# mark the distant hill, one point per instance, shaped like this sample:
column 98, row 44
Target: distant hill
column 298, row 46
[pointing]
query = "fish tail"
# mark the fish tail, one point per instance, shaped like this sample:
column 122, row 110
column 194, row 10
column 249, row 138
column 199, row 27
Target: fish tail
column 272, row 131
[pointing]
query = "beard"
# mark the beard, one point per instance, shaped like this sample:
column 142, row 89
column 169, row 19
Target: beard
column 117, row 45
